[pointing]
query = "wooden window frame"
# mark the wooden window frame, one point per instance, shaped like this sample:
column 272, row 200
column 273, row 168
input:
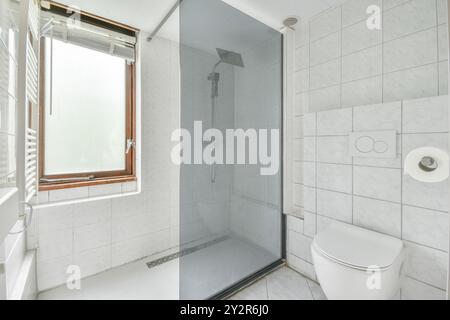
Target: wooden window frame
column 106, row 177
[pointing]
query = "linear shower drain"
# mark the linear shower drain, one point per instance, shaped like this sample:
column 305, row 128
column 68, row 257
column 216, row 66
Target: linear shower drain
column 184, row 252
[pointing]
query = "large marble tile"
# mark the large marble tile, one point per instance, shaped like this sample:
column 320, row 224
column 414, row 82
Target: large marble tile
column 325, row 23
column 362, row 64
column 257, row 291
column 325, row 99
column 362, row 92
column 300, row 246
column 310, row 224
column 333, row 149
column 428, row 115
column 303, row 267
column 302, row 58
column 411, row 83
column 387, row 116
column 325, row 49
column 409, row 17
column 416, row 290
column 309, row 149
column 427, row 265
column 334, row 122
column 426, row 227
column 358, row 37
column 316, row 290
column 378, row 183
column 412, row 51
column 334, row 205
column 309, row 174
column 380, row 216
column 310, row 124
column 334, row 177
column 286, row 284
column 325, row 75
column 309, row 199
column 356, row 10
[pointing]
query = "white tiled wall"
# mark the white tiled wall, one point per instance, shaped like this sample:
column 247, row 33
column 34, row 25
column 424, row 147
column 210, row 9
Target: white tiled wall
column 341, row 63
column 98, row 235
column 374, row 193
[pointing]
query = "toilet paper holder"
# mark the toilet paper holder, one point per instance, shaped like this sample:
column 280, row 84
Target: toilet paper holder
column 428, row 164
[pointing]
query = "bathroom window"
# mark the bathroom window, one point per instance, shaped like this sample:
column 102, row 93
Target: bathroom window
column 87, row 107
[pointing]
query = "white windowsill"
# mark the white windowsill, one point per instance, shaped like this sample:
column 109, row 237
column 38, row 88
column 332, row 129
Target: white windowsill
column 64, row 197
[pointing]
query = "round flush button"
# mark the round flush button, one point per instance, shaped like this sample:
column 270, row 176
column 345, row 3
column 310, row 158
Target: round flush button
column 380, row 147
column 365, row 144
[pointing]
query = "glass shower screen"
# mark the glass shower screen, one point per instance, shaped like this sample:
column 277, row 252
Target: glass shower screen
column 230, row 147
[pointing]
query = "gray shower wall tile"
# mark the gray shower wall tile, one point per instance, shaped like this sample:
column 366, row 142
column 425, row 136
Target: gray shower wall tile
column 416, row 290
column 325, row 75
column 427, row 265
column 333, row 149
column 425, row 195
column 302, row 35
column 443, row 77
column 428, row 115
column 362, row 92
column 418, row 222
column 309, row 149
column 302, row 58
column 325, row 99
column 309, row 173
column 297, row 149
column 411, row 51
column 325, row 23
column 442, row 11
column 334, row 205
column 310, row 224
column 309, row 199
column 310, row 125
column 325, row 49
column 378, row 117
column 377, row 215
column 410, row 17
column 443, row 42
column 358, row 37
column 411, row 83
column 334, row 177
column 362, row 64
column 301, row 103
column 407, row 67
column 335, row 122
column 356, row 10
column 378, row 183
column 301, row 81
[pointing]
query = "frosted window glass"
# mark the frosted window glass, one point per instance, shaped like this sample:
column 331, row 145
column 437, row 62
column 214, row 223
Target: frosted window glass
column 85, row 127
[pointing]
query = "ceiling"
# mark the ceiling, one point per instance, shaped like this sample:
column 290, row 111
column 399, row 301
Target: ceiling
column 147, row 14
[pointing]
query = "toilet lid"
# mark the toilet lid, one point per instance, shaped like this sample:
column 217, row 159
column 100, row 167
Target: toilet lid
column 358, row 247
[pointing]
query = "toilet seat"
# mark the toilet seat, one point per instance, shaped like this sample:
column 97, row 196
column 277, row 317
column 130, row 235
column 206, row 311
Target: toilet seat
column 354, row 267
column 357, row 248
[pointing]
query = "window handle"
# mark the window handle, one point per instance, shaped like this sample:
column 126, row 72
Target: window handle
column 130, row 144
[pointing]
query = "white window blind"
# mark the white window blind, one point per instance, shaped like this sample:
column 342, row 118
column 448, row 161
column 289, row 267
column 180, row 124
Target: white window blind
column 72, row 30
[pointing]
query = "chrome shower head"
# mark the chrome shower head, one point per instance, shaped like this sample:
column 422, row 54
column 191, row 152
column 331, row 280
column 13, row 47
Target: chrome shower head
column 230, row 57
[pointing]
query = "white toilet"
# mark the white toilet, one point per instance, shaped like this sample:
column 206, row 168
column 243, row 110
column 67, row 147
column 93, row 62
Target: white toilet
column 352, row 263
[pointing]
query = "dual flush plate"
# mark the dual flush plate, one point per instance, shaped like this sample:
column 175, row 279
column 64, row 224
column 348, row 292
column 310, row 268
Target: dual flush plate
column 374, row 144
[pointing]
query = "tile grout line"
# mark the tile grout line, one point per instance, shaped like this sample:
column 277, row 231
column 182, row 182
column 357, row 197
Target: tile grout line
column 437, row 48
column 341, row 62
column 382, row 51
column 310, row 290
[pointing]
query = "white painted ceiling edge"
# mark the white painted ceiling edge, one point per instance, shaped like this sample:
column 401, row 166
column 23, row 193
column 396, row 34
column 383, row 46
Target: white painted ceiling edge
column 147, row 14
